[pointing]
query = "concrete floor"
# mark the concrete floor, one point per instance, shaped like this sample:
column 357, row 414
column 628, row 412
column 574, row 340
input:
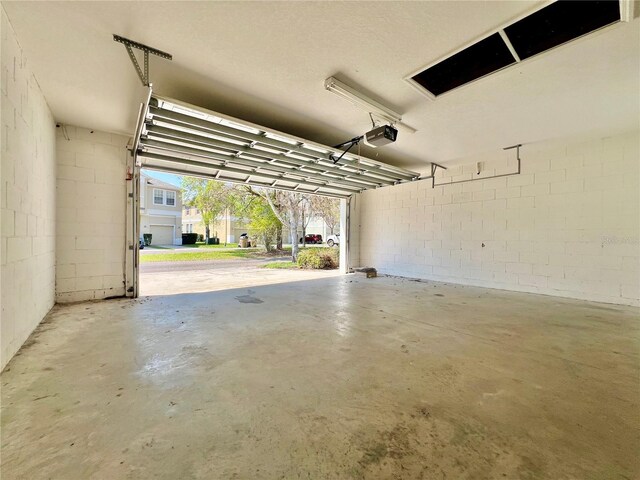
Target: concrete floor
column 336, row 378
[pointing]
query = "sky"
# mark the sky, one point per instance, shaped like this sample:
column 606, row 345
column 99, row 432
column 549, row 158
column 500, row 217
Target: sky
column 164, row 177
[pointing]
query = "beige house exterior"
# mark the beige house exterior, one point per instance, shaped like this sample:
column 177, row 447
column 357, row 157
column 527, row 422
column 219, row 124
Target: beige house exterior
column 230, row 227
column 160, row 211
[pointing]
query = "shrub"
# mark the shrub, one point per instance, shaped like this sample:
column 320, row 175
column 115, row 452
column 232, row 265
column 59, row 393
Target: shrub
column 318, row 258
column 200, row 237
column 147, row 239
column 189, row 238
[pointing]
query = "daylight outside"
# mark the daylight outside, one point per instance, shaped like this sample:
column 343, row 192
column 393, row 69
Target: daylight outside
column 201, row 235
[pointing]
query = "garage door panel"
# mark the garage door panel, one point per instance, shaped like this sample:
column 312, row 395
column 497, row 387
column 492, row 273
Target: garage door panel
column 161, row 234
column 181, row 138
column 153, row 162
column 251, row 161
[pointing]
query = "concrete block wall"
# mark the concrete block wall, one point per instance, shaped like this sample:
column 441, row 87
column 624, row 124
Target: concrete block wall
column 27, row 191
column 91, row 202
column 568, row 225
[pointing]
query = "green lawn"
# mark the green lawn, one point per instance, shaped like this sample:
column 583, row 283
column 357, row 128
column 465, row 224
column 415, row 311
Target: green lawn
column 196, row 256
column 211, row 254
column 222, row 245
column 281, row 265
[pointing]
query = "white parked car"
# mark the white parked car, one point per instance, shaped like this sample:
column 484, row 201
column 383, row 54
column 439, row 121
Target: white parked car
column 333, row 240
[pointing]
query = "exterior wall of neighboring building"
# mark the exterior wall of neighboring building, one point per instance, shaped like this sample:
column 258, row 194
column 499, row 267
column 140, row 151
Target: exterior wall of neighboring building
column 227, row 228
column 192, row 220
column 160, row 211
column 316, row 226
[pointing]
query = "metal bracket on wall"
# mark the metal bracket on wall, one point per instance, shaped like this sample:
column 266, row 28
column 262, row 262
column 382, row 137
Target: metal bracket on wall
column 435, row 166
column 130, row 45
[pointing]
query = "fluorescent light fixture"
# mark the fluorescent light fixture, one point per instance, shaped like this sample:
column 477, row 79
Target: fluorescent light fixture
column 367, row 104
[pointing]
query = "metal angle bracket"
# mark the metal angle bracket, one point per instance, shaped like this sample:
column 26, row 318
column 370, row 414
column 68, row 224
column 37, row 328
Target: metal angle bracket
column 130, row 45
column 435, row 166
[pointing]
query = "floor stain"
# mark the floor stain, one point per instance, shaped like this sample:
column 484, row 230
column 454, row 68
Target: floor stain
column 248, row 299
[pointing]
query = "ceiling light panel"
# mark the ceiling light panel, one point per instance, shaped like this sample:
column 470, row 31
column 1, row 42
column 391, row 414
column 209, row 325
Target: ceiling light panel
column 549, row 27
column 560, row 23
column 182, row 138
column 485, row 57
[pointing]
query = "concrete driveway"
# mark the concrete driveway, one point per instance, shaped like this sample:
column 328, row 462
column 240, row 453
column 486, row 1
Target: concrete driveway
column 169, row 278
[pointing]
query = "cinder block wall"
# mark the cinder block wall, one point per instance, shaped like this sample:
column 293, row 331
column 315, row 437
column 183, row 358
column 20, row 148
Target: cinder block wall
column 27, row 186
column 569, row 225
column 91, row 202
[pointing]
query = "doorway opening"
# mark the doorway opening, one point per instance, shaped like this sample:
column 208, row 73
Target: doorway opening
column 200, row 235
column 178, row 138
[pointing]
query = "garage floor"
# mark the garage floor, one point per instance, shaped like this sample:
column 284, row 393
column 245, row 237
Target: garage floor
column 335, row 378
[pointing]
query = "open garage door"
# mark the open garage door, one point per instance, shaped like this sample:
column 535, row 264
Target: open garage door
column 176, row 137
column 188, row 140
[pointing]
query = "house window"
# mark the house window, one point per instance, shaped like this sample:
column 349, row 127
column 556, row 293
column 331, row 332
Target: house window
column 170, row 198
column 187, row 211
column 158, row 197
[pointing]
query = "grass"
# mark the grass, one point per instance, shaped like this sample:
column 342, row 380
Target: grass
column 286, row 251
column 282, row 265
column 222, row 245
column 196, row 256
column 208, row 254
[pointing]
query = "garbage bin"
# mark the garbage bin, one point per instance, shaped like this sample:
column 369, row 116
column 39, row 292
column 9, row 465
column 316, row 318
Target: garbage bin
column 244, row 242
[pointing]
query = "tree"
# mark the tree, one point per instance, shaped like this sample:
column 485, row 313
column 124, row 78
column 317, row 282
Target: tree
column 263, row 222
column 306, row 214
column 251, row 205
column 209, row 196
column 286, row 206
column 328, row 209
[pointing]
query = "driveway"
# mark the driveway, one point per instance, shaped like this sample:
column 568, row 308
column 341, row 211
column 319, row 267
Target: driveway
column 170, row 278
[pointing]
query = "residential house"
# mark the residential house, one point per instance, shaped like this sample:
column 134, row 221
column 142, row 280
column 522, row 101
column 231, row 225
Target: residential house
column 226, row 227
column 230, row 227
column 160, row 211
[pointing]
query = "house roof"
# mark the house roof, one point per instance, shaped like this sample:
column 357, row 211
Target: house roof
column 158, row 183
